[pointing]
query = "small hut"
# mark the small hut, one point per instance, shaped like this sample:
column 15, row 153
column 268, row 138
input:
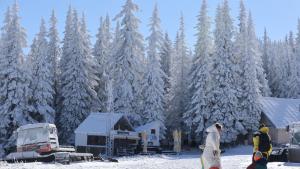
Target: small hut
column 152, row 131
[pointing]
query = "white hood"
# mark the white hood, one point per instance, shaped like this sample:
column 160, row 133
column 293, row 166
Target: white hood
column 212, row 129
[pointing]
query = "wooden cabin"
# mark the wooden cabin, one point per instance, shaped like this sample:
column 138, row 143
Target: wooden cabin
column 106, row 133
column 277, row 114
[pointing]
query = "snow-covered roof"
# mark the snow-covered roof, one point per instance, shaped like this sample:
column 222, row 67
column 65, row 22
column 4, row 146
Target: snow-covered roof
column 280, row 111
column 36, row 125
column 98, row 123
column 148, row 126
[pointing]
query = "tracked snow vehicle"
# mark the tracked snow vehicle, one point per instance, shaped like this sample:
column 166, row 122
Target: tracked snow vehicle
column 39, row 142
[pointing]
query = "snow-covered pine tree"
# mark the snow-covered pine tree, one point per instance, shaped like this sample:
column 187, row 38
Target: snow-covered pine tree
column 102, row 53
column 292, row 84
column 254, row 47
column 278, row 68
column 127, row 67
column 66, row 53
column 31, row 55
column 291, row 41
column 42, row 79
column 66, row 50
column 282, row 70
column 297, row 50
column 200, row 73
column 90, row 65
column 77, row 78
column 153, row 84
column 241, row 49
column 250, row 86
column 14, row 93
column 115, row 45
column 268, row 60
column 54, row 54
column 297, row 43
column 109, row 84
column 180, row 80
column 248, row 112
column 166, row 53
column 222, row 100
column 111, row 65
column 4, row 116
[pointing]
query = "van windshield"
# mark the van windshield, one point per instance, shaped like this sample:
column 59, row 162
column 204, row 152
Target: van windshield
column 31, row 136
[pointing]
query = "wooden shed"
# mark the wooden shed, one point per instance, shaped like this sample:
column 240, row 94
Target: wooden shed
column 153, row 132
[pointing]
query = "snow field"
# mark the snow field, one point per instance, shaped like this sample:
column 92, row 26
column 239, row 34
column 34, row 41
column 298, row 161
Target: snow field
column 235, row 158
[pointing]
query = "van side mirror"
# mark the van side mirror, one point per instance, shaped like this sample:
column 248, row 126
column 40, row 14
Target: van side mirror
column 287, row 128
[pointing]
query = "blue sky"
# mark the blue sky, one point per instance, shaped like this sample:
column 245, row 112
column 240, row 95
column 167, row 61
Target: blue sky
column 278, row 16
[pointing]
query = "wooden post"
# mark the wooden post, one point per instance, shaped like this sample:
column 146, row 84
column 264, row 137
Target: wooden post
column 176, row 141
column 179, row 141
column 145, row 142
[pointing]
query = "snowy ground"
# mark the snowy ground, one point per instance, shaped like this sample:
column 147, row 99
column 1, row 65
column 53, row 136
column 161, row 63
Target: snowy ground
column 236, row 158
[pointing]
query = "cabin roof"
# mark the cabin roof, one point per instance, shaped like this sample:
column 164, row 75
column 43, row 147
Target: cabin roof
column 99, row 123
column 148, row 126
column 281, row 111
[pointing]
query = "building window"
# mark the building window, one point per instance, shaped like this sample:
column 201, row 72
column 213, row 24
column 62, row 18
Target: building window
column 96, row 140
column 152, row 137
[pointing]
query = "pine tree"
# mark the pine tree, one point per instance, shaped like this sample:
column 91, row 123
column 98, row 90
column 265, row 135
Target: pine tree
column 128, row 60
column 78, row 80
column 42, row 79
column 284, row 68
column 291, row 41
column 14, row 93
column 54, row 54
column 166, row 54
column 240, row 51
column 66, row 50
column 297, row 51
column 291, row 89
column 278, row 68
column 200, row 73
column 31, row 56
column 153, row 84
column 180, row 70
column 66, row 53
column 222, row 99
column 254, row 47
column 250, row 104
column 101, row 52
column 115, row 45
column 268, row 61
column 248, row 86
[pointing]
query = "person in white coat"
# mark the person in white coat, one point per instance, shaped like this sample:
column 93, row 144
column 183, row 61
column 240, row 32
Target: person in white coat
column 211, row 153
